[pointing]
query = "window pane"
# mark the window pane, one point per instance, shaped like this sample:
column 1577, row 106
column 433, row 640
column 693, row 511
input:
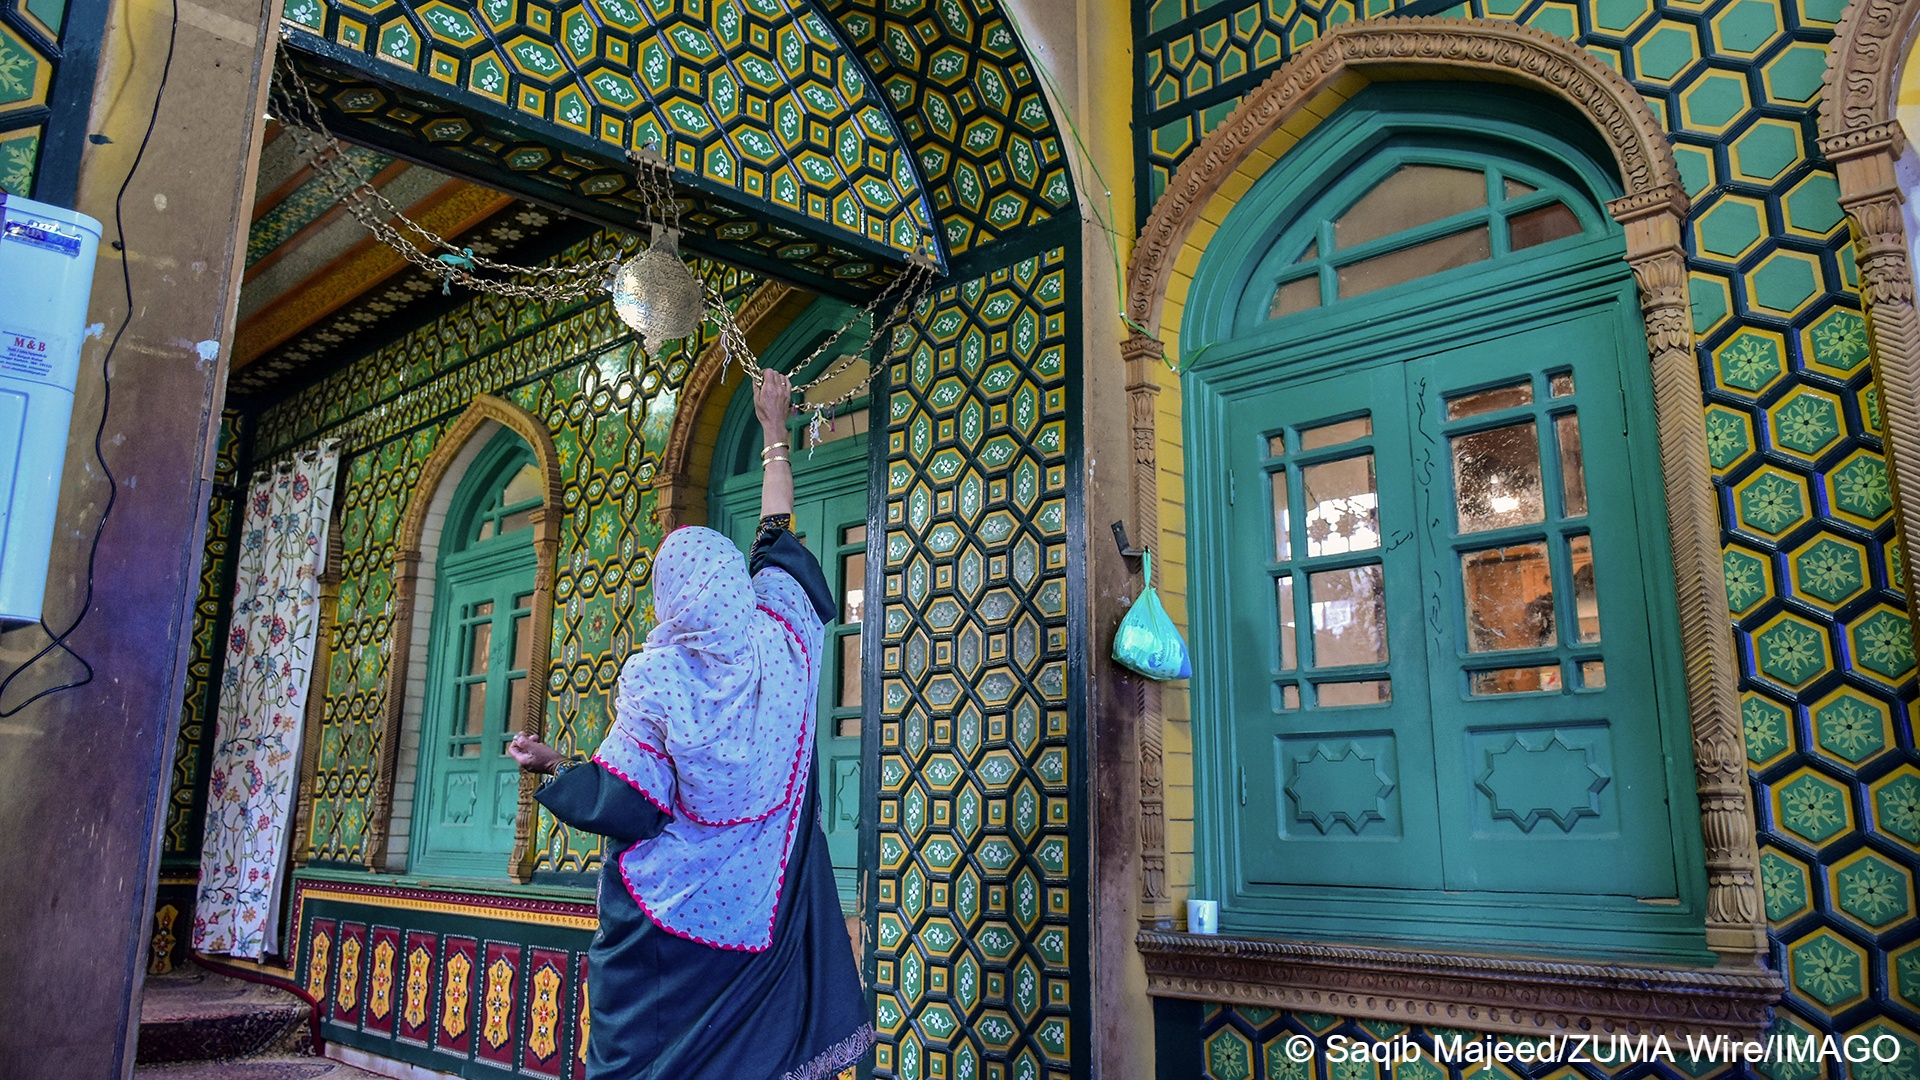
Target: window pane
column 1418, row 261
column 1515, row 189
column 854, row 534
column 1289, row 696
column 522, row 641
column 1412, row 195
column 1497, row 478
column 1342, row 431
column 1573, row 468
column 1300, row 294
column 849, row 671
column 1586, row 604
column 1542, row 226
column 1312, row 253
column 1509, row 598
column 1289, row 642
column 1561, row 384
column 1593, row 674
column 514, row 522
column 516, row 705
column 1511, row 396
column 524, row 486
column 473, row 718
column 486, row 530
column 853, row 587
column 848, row 727
column 1337, row 694
column 471, row 749
column 1343, row 513
column 1349, row 617
column 1282, row 538
column 479, row 643
column 1520, row 680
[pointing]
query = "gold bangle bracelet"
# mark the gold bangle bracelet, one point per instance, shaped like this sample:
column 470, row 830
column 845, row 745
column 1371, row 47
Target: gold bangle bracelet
column 771, row 447
column 774, row 458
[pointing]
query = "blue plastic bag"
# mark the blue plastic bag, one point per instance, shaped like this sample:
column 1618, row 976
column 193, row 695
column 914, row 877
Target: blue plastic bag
column 1147, row 641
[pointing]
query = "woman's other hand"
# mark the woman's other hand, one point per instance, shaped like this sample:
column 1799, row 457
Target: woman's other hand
column 772, row 403
column 532, row 755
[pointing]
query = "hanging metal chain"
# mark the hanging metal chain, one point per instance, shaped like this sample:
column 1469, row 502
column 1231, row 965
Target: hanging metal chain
column 293, row 103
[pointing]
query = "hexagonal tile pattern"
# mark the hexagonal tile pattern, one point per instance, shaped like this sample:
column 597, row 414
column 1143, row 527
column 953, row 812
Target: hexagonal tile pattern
column 1731, row 227
column 1791, row 651
column 1771, row 502
column 1827, row 970
column 1895, row 799
column 1829, row 570
column 1812, row 807
column 1870, row 889
column 1784, row 886
column 1851, row 726
column 1767, row 727
column 1806, row 422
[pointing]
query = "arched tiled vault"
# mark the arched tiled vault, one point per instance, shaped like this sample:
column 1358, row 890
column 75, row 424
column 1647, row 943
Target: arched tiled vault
column 821, row 140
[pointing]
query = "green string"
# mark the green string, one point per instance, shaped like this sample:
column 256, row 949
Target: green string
column 1106, row 190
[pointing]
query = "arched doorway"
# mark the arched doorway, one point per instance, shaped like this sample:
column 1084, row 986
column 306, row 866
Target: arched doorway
column 479, row 659
column 830, row 517
column 1435, row 673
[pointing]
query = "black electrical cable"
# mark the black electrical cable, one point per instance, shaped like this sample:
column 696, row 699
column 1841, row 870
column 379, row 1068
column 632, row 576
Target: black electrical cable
column 59, row 641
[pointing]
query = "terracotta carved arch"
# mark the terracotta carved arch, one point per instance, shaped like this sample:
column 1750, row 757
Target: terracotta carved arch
column 485, row 413
column 1861, row 137
column 1652, row 210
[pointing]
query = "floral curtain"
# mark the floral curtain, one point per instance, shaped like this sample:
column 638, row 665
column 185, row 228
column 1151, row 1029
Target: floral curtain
column 263, row 699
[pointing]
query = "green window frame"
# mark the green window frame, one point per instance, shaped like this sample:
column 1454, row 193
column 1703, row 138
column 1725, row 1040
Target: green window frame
column 477, row 668
column 1437, row 696
column 831, row 511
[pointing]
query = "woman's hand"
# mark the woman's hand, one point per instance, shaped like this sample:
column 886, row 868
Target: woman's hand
column 773, row 403
column 532, row 755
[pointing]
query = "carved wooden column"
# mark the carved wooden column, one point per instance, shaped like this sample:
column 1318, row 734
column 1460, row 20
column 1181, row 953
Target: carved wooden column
column 678, row 501
column 1870, row 192
column 546, row 547
column 1142, row 352
column 406, row 578
column 1736, row 925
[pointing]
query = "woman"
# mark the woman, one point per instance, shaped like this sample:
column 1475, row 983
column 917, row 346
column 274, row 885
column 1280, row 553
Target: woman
column 721, row 953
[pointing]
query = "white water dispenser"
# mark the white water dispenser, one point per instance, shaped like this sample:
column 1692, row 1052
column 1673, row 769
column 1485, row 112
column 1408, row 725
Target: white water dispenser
column 46, row 278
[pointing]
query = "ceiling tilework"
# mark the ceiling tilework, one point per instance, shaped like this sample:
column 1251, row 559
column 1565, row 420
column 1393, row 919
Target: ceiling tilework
column 970, row 102
column 757, row 97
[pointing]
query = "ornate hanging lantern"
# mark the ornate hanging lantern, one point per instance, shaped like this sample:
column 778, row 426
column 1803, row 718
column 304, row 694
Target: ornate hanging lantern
column 655, row 293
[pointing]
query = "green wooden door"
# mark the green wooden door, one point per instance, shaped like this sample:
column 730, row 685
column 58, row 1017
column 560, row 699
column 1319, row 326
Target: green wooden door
column 477, row 699
column 834, row 528
column 1544, row 716
column 1327, row 589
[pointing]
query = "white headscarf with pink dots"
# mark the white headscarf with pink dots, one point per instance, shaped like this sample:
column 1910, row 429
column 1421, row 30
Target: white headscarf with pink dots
column 714, row 723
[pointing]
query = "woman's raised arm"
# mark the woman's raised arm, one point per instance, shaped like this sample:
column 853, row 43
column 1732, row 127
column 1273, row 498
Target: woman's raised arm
column 772, row 402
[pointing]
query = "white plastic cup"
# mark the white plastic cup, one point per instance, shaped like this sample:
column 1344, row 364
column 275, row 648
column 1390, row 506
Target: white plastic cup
column 1203, row 916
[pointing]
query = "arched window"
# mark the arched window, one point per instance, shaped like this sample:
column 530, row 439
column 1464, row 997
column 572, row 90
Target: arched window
column 481, row 647
column 1437, row 697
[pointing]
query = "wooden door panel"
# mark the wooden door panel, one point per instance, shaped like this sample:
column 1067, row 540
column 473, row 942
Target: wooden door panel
column 1550, row 768
column 1331, row 756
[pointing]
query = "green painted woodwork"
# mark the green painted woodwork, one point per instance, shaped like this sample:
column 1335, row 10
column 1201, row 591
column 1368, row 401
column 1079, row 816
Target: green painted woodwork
column 477, row 668
column 1436, row 664
column 830, row 518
